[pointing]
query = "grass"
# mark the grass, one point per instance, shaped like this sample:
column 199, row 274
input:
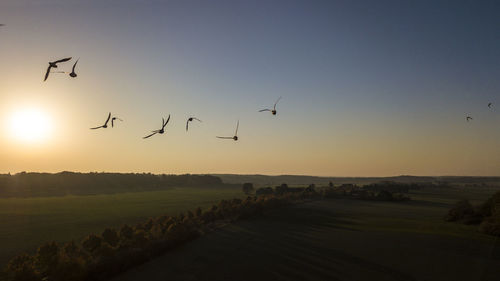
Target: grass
column 25, row 223
column 338, row 239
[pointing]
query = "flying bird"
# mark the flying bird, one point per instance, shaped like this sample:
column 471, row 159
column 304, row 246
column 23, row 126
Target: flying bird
column 113, row 121
column 73, row 73
column 235, row 137
column 160, row 131
column 190, row 119
column 54, row 65
column 468, row 118
column 490, row 104
column 273, row 111
column 105, row 124
column 1, row 24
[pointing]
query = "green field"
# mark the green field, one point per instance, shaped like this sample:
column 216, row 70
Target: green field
column 339, row 239
column 25, row 223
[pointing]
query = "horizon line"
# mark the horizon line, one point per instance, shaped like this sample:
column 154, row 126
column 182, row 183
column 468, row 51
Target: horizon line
column 243, row 174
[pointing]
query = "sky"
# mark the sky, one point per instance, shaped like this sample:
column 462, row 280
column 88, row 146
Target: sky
column 369, row 88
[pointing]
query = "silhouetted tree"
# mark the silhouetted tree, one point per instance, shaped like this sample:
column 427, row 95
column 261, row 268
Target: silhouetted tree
column 22, row 268
column 126, row 232
column 110, row 236
column 91, row 243
column 488, row 208
column 491, row 225
column 460, row 210
column 198, row 212
column 248, row 188
column 47, row 258
column 283, row 188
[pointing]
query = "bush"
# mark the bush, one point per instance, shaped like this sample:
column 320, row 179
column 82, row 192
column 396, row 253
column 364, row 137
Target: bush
column 22, row 268
column 47, row 258
column 248, row 188
column 91, row 243
column 489, row 207
column 461, row 210
column 110, row 236
column 490, row 226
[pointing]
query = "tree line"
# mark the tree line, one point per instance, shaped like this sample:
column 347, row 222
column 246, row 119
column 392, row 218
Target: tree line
column 485, row 215
column 69, row 183
column 383, row 191
column 101, row 256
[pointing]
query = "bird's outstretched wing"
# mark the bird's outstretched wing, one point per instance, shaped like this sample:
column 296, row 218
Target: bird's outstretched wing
column 168, row 119
column 264, row 110
column 237, row 126
column 47, row 73
column 490, row 104
column 1, row 24
column 228, row 138
column 187, row 125
column 74, row 65
column 150, row 135
column 276, row 102
column 62, row 60
column 197, row 119
column 96, row 128
column 107, row 120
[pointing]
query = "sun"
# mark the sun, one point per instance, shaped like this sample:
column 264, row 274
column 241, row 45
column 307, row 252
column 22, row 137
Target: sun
column 30, row 125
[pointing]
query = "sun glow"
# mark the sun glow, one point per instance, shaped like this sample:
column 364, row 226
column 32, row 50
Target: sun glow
column 30, row 125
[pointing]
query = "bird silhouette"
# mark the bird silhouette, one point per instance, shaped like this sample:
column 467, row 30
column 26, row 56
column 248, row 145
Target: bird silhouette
column 273, row 111
column 73, row 73
column 490, row 105
column 160, row 131
column 235, row 137
column 190, row 119
column 105, row 124
column 113, row 121
column 54, row 65
column 1, row 24
column 468, row 118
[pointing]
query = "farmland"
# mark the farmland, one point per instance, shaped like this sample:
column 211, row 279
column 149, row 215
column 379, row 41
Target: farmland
column 25, row 223
column 338, row 239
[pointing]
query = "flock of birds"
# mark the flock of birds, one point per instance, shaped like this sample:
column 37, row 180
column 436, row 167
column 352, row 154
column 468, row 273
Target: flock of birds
column 54, row 64
column 73, row 74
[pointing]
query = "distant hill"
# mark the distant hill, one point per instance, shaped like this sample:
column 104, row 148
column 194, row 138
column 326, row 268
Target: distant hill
column 264, row 180
column 69, row 183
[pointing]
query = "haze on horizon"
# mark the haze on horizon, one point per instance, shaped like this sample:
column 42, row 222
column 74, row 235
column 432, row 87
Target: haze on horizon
column 369, row 89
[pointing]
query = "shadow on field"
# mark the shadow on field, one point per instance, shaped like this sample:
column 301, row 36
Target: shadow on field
column 348, row 240
column 285, row 244
column 424, row 203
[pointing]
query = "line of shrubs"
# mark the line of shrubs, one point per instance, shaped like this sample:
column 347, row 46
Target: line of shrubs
column 384, row 191
column 486, row 215
column 353, row 191
column 100, row 257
